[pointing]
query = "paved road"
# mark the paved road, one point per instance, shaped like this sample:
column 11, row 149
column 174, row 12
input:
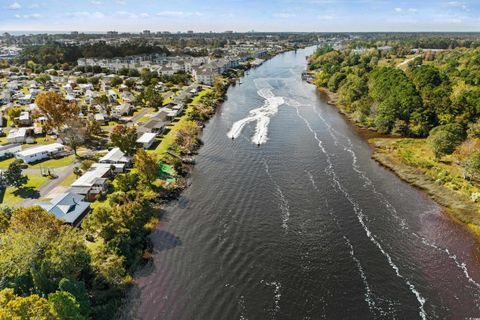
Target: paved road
column 62, row 173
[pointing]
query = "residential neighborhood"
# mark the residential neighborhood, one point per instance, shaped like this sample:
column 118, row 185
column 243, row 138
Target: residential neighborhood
column 106, row 93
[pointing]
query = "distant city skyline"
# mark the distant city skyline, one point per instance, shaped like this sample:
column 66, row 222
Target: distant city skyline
column 238, row 15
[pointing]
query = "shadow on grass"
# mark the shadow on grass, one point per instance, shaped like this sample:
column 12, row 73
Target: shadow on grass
column 27, row 193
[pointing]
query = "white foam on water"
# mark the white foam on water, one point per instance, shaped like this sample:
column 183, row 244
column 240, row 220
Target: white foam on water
column 369, row 295
column 277, row 295
column 390, row 208
column 362, row 218
column 283, row 204
column 260, row 115
column 241, row 302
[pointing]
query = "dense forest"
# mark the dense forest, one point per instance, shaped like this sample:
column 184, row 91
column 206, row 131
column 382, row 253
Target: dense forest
column 405, row 95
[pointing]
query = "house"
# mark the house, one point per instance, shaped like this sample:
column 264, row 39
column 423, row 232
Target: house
column 24, row 118
column 156, row 125
column 93, row 182
column 121, row 110
column 18, row 135
column 40, row 153
column 115, row 156
column 112, row 95
column 27, row 99
column 68, row 207
column 147, row 139
column 100, row 118
column 8, row 150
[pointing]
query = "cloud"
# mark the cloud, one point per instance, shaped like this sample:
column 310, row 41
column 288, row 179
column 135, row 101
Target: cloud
column 283, row 15
column 406, row 10
column 96, row 2
column 326, row 17
column 121, row 1
column 86, row 14
column 178, row 14
column 15, row 6
column 457, row 4
column 34, row 6
column 144, row 15
column 28, row 16
column 126, row 14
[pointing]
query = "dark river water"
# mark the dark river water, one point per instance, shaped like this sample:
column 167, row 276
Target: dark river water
column 293, row 220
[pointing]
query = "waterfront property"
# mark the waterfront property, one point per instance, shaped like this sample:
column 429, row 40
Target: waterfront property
column 68, row 207
column 147, row 139
column 93, row 182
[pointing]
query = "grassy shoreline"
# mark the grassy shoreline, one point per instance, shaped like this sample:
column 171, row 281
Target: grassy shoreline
column 452, row 196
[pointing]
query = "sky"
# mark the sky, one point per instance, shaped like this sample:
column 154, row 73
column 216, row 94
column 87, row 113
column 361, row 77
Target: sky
column 239, row 15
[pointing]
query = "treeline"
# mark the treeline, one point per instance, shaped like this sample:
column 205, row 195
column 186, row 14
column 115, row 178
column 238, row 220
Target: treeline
column 417, row 40
column 57, row 53
column 406, row 100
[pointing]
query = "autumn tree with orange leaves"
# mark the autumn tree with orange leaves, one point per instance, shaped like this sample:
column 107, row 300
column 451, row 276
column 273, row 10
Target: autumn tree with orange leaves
column 56, row 110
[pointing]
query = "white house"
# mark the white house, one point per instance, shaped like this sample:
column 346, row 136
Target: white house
column 115, row 156
column 18, row 135
column 24, row 118
column 8, row 150
column 121, row 110
column 93, row 181
column 147, row 139
column 27, row 99
column 112, row 94
column 40, row 152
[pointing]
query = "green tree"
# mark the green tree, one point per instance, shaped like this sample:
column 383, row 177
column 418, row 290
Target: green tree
column 116, row 81
column 64, row 306
column 444, row 139
column 78, row 290
column 146, row 165
column 472, row 166
column 14, row 177
column 126, row 182
column 124, row 138
column 32, row 307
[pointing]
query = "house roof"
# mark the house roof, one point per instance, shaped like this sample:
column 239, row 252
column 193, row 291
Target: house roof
column 53, row 147
column 115, row 155
column 68, row 207
column 17, row 133
column 146, row 137
column 89, row 178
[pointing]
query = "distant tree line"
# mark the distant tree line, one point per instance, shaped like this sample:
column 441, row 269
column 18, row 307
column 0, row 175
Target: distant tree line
column 57, row 53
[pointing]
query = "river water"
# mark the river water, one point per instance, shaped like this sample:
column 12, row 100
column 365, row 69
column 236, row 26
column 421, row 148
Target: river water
column 293, row 220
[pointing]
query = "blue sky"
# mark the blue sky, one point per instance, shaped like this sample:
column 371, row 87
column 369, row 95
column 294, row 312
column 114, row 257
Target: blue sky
column 239, row 15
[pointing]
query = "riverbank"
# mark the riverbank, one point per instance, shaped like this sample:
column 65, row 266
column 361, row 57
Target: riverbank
column 413, row 162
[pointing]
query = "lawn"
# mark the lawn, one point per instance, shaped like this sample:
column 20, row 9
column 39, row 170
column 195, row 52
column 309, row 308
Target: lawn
column 13, row 196
column 55, row 163
column 5, row 163
column 68, row 180
column 169, row 138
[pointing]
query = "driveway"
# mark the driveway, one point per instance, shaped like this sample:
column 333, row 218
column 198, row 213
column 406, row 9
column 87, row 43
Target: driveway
column 62, row 173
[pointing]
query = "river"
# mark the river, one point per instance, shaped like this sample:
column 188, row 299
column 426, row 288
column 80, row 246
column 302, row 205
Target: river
column 292, row 219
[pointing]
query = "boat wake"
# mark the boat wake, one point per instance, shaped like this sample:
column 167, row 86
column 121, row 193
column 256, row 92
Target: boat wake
column 368, row 183
column 283, row 204
column 276, row 294
column 362, row 218
column 260, row 115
